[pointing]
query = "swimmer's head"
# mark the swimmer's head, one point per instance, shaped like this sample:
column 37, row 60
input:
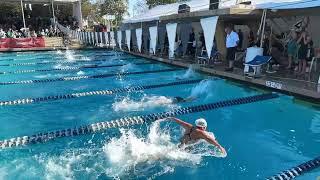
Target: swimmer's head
column 201, row 123
column 178, row 99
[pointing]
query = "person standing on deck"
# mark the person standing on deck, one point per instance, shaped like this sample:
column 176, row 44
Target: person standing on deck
column 232, row 41
column 240, row 34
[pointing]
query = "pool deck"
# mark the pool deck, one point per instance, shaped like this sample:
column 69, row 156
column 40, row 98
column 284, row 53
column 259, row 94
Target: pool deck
column 305, row 90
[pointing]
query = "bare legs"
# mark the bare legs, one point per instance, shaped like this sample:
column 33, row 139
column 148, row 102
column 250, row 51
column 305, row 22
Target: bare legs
column 302, row 66
column 289, row 62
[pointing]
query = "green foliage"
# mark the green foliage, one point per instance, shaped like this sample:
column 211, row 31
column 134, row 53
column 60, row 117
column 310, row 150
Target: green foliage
column 9, row 9
column 153, row 3
column 114, row 7
column 87, row 8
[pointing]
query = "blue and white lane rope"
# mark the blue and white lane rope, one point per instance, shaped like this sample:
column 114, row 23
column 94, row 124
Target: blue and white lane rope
column 54, row 55
column 91, row 66
column 297, row 171
column 63, row 62
column 95, row 93
column 76, row 78
column 128, row 121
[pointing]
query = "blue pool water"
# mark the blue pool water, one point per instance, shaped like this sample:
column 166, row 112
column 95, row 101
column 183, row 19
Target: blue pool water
column 261, row 138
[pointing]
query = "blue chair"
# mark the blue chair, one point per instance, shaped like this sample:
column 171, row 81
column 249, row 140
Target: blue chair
column 253, row 68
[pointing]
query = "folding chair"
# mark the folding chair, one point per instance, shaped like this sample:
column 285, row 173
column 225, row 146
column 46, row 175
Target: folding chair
column 256, row 65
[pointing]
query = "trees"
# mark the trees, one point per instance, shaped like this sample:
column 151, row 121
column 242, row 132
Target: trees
column 153, row 3
column 114, row 7
column 86, row 8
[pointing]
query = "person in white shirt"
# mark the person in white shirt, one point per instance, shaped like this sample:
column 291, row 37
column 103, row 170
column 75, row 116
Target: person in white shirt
column 232, row 41
column 2, row 33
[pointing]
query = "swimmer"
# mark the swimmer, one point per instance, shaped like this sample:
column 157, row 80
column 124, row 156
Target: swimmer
column 195, row 133
column 179, row 99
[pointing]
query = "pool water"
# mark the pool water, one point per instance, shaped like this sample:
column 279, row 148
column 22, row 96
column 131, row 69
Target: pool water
column 261, row 138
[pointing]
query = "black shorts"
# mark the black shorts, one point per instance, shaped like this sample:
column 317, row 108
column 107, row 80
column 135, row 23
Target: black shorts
column 231, row 53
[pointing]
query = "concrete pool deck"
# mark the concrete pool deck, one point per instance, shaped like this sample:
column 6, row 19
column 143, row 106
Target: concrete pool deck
column 305, row 90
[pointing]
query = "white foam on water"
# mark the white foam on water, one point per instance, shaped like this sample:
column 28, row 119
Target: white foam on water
column 153, row 155
column 132, row 155
column 204, row 88
column 128, row 67
column 85, row 58
column 69, row 55
column 146, row 102
column 190, row 73
column 60, row 66
column 64, row 166
column 50, row 76
column 81, row 73
column 59, row 52
column 3, row 172
column 55, row 170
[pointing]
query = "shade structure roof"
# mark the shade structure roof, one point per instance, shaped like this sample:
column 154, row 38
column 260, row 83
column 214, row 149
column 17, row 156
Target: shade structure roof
column 168, row 9
column 43, row 1
column 203, row 5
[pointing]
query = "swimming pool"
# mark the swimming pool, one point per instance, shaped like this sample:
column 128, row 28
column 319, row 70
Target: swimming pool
column 262, row 138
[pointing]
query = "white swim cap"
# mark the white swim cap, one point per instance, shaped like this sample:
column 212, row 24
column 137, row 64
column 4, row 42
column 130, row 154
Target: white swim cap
column 201, row 122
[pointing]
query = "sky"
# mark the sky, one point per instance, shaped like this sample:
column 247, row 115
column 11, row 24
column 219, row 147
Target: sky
column 131, row 4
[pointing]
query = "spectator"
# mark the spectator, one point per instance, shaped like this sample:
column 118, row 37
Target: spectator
column 305, row 45
column 251, row 39
column 292, row 48
column 240, row 34
column 202, row 40
column 191, row 44
column 232, row 41
column 10, row 33
column 179, row 48
column 2, row 33
column 43, row 33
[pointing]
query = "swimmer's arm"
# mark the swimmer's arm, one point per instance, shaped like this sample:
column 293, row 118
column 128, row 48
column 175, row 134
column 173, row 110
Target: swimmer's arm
column 182, row 123
column 190, row 98
column 214, row 142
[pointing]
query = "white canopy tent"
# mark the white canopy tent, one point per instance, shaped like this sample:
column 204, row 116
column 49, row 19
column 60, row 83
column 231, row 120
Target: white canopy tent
column 169, row 9
column 76, row 7
column 293, row 4
column 203, row 5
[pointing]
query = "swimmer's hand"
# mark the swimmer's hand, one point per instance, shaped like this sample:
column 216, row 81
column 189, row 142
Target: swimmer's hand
column 223, row 151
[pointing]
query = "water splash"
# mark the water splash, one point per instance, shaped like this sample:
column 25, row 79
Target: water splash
column 146, row 102
column 133, row 155
column 70, row 55
column 190, row 73
column 153, row 155
column 128, row 67
column 50, row 76
column 59, row 52
column 60, row 66
column 81, row 73
column 204, row 88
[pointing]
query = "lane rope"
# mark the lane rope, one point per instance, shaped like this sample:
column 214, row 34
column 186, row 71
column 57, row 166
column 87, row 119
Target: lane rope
column 89, row 66
column 76, row 78
column 60, row 57
column 298, row 170
column 95, row 93
column 128, row 121
column 64, row 62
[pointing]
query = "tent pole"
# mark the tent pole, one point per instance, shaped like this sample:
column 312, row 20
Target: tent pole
column 53, row 14
column 263, row 27
column 22, row 11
